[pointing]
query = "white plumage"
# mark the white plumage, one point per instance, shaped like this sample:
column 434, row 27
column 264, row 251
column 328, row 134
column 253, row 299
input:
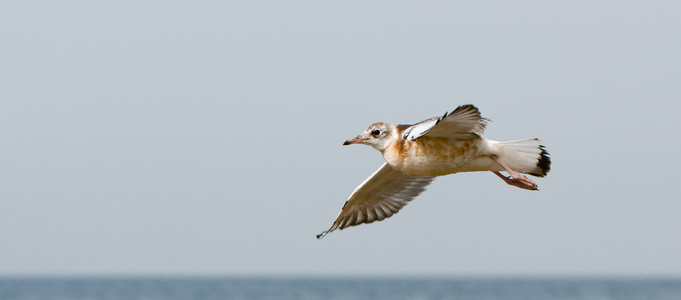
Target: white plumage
column 415, row 154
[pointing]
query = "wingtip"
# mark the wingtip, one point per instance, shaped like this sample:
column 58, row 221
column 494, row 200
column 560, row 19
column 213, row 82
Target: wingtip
column 322, row 235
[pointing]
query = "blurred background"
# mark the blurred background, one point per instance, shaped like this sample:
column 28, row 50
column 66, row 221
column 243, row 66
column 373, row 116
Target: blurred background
column 204, row 138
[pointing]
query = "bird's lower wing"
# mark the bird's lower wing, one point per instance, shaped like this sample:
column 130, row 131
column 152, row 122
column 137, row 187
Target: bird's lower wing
column 380, row 196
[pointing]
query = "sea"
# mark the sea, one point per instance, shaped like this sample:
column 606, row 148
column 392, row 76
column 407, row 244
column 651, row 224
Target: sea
column 338, row 288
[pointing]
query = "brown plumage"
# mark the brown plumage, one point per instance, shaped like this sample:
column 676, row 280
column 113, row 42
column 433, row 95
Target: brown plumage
column 415, row 154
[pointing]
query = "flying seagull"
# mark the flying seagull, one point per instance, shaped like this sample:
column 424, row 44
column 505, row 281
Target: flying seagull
column 416, row 154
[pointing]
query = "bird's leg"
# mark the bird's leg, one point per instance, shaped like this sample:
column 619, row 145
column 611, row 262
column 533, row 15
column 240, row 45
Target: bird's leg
column 515, row 179
column 521, row 182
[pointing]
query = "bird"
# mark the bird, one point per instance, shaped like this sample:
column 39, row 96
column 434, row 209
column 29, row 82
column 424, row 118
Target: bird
column 416, row 154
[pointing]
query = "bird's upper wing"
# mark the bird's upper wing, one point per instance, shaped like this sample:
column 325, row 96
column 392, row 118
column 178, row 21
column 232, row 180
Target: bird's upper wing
column 464, row 122
column 379, row 197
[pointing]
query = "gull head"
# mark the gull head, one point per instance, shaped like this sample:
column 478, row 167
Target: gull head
column 378, row 135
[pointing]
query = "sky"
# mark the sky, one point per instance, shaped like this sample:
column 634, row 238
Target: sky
column 204, row 137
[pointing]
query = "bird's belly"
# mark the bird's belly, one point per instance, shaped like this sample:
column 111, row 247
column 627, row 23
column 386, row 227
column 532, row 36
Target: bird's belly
column 434, row 166
column 437, row 157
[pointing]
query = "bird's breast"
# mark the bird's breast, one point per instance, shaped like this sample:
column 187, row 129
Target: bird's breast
column 431, row 156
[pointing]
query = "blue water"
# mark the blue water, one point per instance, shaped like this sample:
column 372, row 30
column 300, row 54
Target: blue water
column 358, row 288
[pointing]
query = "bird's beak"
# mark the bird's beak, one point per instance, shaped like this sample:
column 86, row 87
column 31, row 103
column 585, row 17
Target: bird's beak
column 355, row 140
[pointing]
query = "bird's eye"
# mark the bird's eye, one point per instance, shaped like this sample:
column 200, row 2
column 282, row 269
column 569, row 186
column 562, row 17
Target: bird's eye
column 376, row 132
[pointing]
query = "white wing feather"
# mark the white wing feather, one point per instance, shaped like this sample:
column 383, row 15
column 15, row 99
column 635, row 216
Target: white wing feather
column 380, row 196
column 464, row 122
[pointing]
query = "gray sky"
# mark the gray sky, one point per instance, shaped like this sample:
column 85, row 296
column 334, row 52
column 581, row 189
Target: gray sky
column 204, row 137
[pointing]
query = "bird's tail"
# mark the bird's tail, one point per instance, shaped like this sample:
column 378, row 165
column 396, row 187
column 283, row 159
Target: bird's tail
column 526, row 156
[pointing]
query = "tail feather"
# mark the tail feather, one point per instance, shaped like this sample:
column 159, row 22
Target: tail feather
column 527, row 156
column 544, row 163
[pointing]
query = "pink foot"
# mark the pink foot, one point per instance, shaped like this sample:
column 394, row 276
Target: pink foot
column 519, row 181
column 515, row 179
